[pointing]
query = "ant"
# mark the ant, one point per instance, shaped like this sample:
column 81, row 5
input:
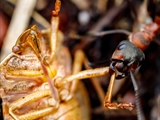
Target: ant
column 127, row 57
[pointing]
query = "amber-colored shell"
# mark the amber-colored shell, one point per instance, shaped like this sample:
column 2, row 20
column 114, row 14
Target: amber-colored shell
column 75, row 109
column 14, row 86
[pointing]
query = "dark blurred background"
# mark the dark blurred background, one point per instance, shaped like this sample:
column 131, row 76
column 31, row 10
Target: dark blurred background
column 79, row 17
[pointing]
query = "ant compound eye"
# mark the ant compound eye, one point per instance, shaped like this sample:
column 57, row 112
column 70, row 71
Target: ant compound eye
column 122, row 46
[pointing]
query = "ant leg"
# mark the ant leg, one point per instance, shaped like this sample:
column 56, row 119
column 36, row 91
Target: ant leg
column 107, row 101
column 29, row 99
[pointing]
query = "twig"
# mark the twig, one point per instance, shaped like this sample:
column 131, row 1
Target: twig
column 81, row 4
column 19, row 23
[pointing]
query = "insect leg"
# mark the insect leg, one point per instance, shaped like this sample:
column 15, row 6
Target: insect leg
column 59, row 82
column 27, row 100
column 54, row 32
column 36, row 114
column 107, row 101
column 77, row 66
column 53, row 38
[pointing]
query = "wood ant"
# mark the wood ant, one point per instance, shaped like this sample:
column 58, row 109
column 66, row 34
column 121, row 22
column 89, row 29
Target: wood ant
column 126, row 58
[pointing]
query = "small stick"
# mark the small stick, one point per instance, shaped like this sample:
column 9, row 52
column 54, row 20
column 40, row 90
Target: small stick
column 19, row 23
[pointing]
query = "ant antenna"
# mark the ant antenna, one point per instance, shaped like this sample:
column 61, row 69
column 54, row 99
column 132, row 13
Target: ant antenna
column 110, row 32
column 100, row 34
column 140, row 114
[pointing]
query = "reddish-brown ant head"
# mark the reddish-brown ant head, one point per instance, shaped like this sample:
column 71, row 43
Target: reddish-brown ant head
column 125, row 58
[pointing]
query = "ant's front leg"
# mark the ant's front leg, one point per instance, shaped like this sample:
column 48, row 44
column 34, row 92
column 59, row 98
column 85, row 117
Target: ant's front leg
column 107, row 101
